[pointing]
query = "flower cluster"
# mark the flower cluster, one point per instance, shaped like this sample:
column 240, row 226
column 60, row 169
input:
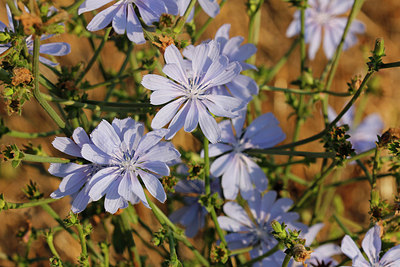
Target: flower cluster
column 53, row 49
column 119, row 154
column 322, row 18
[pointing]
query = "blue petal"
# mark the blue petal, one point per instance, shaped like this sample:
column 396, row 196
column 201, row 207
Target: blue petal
column 134, row 29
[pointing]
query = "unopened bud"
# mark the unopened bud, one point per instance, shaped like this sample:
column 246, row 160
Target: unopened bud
column 4, row 37
column 379, row 49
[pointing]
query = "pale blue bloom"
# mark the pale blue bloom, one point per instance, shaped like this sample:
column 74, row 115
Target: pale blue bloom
column 188, row 98
column 257, row 231
column 321, row 256
column 238, row 169
column 364, row 136
column 323, row 18
column 53, row 49
column 126, row 154
column 242, row 87
column 211, row 7
column 75, row 176
column 371, row 245
column 123, row 17
column 193, row 214
column 119, row 154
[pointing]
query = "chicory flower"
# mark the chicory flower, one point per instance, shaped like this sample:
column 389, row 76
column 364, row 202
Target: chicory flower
column 323, row 20
column 189, row 100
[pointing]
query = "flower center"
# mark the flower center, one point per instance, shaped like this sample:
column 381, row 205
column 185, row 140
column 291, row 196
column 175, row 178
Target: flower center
column 128, row 163
column 194, row 86
column 322, row 18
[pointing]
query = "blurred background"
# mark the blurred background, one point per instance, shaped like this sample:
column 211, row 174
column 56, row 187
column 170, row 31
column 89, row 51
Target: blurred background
column 381, row 18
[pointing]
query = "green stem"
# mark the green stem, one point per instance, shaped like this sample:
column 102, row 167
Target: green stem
column 286, row 261
column 302, row 92
column 205, row 25
column 375, row 168
column 94, row 57
column 37, row 158
column 49, row 239
column 38, row 95
column 163, row 219
column 82, row 239
column 57, row 218
column 171, row 239
column 208, row 191
column 127, row 231
column 390, row 65
column 33, row 203
column 310, row 190
column 355, row 9
column 18, row 134
column 101, row 106
column 116, row 79
column 292, row 153
column 342, row 226
column 181, row 22
column 259, row 258
column 356, row 179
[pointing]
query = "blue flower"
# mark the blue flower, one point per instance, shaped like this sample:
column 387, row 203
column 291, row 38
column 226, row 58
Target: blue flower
column 211, row 7
column 190, row 101
column 123, row 17
column 53, row 49
column 323, row 16
column 238, row 170
column 119, row 155
column 193, row 214
column 364, row 136
column 372, row 247
column 75, row 176
column 256, row 232
column 242, row 87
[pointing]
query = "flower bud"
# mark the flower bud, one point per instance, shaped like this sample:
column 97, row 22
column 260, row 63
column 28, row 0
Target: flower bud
column 379, row 49
column 4, row 37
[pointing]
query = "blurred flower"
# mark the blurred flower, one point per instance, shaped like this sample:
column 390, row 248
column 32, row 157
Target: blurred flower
column 242, row 87
column 189, row 99
column 75, row 176
column 372, row 247
column 211, row 7
column 237, row 168
column 119, row 153
column 123, row 17
column 256, row 232
column 320, row 256
column 323, row 15
column 364, row 136
column 53, row 49
column 193, row 214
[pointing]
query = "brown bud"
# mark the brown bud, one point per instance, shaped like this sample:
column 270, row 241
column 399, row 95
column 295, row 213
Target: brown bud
column 21, row 76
